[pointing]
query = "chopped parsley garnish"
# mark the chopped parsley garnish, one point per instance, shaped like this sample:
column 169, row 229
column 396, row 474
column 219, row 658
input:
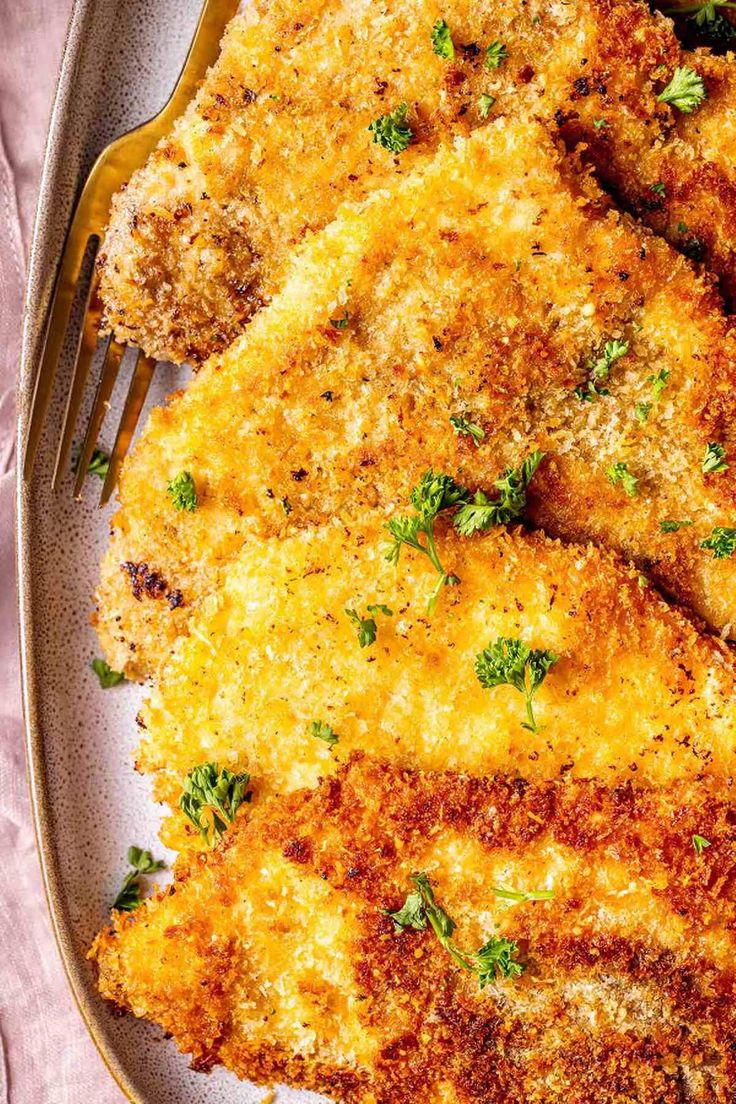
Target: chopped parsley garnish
column 659, row 382
column 700, row 843
column 286, row 506
column 685, row 91
column 658, row 189
column 682, row 228
column 519, row 895
column 105, row 674
column 420, row 911
column 367, row 627
column 99, row 464
column 485, row 103
column 140, row 862
column 673, row 526
column 211, row 797
column 721, row 542
column 619, row 473
column 708, row 20
column 340, row 323
column 642, row 410
column 434, row 493
column 715, row 458
column 392, row 131
column 322, row 731
column 463, row 427
column 509, row 662
column 182, row 492
column 600, row 369
column 495, row 55
column 600, row 124
column 483, row 513
column 442, row 43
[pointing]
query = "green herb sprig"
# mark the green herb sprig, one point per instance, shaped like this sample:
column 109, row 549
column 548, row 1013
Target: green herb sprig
column 182, row 492
column 483, row 513
column 392, row 131
column 140, row 862
column 211, row 797
column 721, row 542
column 685, row 91
column 600, row 369
column 496, row 957
column 511, row 662
column 441, row 39
column 367, row 627
column 107, row 677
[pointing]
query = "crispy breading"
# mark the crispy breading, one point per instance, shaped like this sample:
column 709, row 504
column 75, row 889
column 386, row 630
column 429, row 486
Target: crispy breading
column 637, row 691
column 278, row 138
column 486, row 286
column 274, row 955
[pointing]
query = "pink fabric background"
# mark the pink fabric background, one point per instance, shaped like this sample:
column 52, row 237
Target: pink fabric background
column 46, row 1056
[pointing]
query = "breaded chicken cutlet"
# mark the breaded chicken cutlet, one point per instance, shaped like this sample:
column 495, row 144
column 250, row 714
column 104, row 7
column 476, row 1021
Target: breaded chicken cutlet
column 490, row 305
column 636, row 691
column 278, row 138
column 275, row 956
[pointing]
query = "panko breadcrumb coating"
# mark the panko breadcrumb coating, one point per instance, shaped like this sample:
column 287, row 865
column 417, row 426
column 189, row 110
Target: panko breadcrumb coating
column 636, row 692
column 274, row 955
column 487, row 289
column 278, row 138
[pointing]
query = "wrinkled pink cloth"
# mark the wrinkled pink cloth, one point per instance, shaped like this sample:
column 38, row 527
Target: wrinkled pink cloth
column 46, row 1055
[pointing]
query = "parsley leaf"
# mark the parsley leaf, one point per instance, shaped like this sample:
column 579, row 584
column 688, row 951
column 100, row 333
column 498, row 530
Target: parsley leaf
column 715, row 458
column 619, row 473
column 600, row 369
column 340, row 323
column 685, row 91
column 392, row 131
column 497, row 957
column 434, row 493
column 141, row 862
column 495, row 55
column 99, row 464
column 463, row 427
column 510, row 662
column 211, row 797
column 700, row 843
column 182, row 492
column 672, row 526
column 105, row 674
column 642, row 410
column 524, row 895
column 367, row 627
column 659, row 382
column 442, row 43
column 482, row 513
column 721, row 542
column 323, row 731
column 658, row 188
column 420, row 910
column 485, row 103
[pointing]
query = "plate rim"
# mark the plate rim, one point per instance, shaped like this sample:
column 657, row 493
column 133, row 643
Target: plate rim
column 35, row 309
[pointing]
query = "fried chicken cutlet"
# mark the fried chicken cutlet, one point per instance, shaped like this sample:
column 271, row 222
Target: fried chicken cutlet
column 636, row 691
column 279, row 136
column 487, row 289
column 275, row 956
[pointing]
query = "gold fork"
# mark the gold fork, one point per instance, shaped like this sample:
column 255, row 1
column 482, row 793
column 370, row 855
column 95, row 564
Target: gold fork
column 112, row 169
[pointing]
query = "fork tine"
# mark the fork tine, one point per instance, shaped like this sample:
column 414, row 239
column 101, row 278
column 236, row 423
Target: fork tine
column 108, row 375
column 139, row 384
column 86, row 349
column 63, row 297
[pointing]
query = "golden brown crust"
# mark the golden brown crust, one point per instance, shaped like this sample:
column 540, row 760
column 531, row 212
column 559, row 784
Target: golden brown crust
column 486, row 286
column 637, row 692
column 628, row 993
column 269, row 150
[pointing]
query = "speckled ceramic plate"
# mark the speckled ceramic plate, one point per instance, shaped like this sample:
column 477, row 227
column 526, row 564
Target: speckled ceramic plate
column 121, row 60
